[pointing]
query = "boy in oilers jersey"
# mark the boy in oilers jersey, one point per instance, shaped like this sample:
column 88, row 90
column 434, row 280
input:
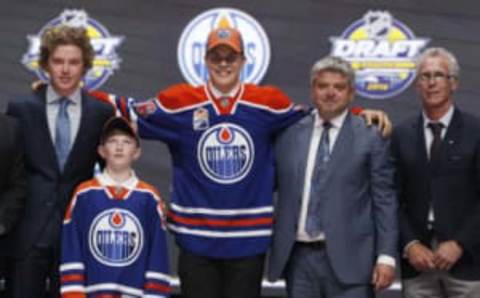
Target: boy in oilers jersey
column 113, row 238
column 220, row 136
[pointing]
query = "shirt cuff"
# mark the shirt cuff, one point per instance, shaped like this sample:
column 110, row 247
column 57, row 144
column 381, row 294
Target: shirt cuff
column 405, row 249
column 386, row 260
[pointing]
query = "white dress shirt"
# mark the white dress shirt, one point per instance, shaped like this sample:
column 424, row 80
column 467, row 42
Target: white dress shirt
column 427, row 132
column 74, row 112
column 336, row 125
column 445, row 120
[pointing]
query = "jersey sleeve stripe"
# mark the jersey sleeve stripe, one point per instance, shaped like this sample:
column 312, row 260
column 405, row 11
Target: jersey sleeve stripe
column 226, row 212
column 71, row 266
column 249, row 222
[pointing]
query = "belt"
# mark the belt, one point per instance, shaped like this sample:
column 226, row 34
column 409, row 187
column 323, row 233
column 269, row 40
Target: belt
column 311, row 245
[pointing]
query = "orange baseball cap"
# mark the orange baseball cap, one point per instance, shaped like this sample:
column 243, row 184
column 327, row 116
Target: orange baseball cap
column 225, row 36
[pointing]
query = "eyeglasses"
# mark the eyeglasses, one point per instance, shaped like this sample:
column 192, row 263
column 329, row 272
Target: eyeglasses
column 436, row 76
column 217, row 58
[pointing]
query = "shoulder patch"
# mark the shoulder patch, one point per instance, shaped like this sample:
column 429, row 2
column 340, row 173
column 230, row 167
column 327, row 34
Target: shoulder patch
column 146, row 107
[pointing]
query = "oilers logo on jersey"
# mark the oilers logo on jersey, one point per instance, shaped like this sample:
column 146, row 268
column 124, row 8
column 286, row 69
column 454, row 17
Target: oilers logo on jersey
column 226, row 153
column 116, row 237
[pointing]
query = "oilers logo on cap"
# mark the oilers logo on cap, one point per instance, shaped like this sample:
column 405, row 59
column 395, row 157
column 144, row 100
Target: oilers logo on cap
column 382, row 51
column 223, row 34
column 106, row 59
column 116, row 237
column 192, row 44
column 225, row 153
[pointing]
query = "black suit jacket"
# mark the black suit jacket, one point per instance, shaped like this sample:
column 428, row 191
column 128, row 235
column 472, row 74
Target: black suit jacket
column 453, row 185
column 48, row 189
column 12, row 178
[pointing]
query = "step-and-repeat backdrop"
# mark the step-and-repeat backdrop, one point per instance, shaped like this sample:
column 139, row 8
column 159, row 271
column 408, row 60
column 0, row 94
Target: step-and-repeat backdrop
column 144, row 46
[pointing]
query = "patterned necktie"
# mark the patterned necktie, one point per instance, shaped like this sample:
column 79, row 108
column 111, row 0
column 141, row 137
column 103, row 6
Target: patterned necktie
column 62, row 132
column 313, row 225
column 436, row 128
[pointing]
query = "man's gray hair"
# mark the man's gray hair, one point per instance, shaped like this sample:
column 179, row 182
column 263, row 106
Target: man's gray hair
column 453, row 67
column 335, row 64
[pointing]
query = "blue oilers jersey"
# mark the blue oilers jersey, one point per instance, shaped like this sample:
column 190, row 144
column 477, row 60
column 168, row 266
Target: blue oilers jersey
column 223, row 163
column 114, row 243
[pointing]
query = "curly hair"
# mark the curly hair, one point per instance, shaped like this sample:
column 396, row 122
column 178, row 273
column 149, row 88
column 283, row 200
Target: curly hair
column 66, row 35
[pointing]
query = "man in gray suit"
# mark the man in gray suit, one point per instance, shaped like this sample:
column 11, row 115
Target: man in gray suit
column 336, row 230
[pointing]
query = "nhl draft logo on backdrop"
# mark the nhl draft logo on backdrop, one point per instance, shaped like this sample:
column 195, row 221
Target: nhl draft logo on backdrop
column 382, row 51
column 116, row 237
column 225, row 153
column 191, row 46
column 106, row 59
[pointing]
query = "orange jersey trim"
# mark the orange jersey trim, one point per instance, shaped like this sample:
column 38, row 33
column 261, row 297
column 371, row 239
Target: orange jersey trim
column 219, row 222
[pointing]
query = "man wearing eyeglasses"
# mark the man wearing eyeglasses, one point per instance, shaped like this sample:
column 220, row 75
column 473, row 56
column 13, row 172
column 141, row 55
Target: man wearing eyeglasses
column 437, row 157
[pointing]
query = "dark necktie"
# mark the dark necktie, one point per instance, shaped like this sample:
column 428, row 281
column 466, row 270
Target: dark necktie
column 313, row 225
column 62, row 132
column 436, row 128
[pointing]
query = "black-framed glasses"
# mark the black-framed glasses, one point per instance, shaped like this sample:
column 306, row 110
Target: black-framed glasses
column 437, row 76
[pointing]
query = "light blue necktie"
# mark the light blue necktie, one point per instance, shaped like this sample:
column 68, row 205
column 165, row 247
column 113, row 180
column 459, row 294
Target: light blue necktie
column 313, row 225
column 62, row 132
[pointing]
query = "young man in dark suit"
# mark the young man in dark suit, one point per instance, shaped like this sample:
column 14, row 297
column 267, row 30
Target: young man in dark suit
column 61, row 125
column 437, row 157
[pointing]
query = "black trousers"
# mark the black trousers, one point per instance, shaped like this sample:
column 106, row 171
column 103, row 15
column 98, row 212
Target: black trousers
column 36, row 275
column 202, row 277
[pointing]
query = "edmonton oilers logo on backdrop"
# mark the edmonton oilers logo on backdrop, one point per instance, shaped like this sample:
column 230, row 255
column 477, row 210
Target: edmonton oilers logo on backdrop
column 382, row 51
column 116, row 237
column 191, row 46
column 105, row 45
column 225, row 153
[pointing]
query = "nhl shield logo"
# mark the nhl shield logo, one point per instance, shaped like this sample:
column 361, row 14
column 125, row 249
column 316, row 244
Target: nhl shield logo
column 116, row 237
column 191, row 46
column 383, row 53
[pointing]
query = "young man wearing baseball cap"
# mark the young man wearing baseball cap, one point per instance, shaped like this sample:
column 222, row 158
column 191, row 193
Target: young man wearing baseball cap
column 220, row 136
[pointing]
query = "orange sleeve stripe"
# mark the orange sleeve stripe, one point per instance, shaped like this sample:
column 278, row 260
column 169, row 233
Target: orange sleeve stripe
column 356, row 110
column 157, row 287
column 249, row 222
column 74, row 295
column 72, row 277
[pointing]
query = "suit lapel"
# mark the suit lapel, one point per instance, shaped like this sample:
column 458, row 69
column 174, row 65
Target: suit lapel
column 39, row 116
column 452, row 137
column 418, row 136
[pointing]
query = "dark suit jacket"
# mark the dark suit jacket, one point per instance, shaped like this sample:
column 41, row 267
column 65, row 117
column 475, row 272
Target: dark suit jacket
column 453, row 186
column 360, row 208
column 48, row 189
column 12, row 178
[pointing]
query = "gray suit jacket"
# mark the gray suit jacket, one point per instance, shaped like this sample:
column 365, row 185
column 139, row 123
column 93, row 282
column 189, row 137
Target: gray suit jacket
column 360, row 212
